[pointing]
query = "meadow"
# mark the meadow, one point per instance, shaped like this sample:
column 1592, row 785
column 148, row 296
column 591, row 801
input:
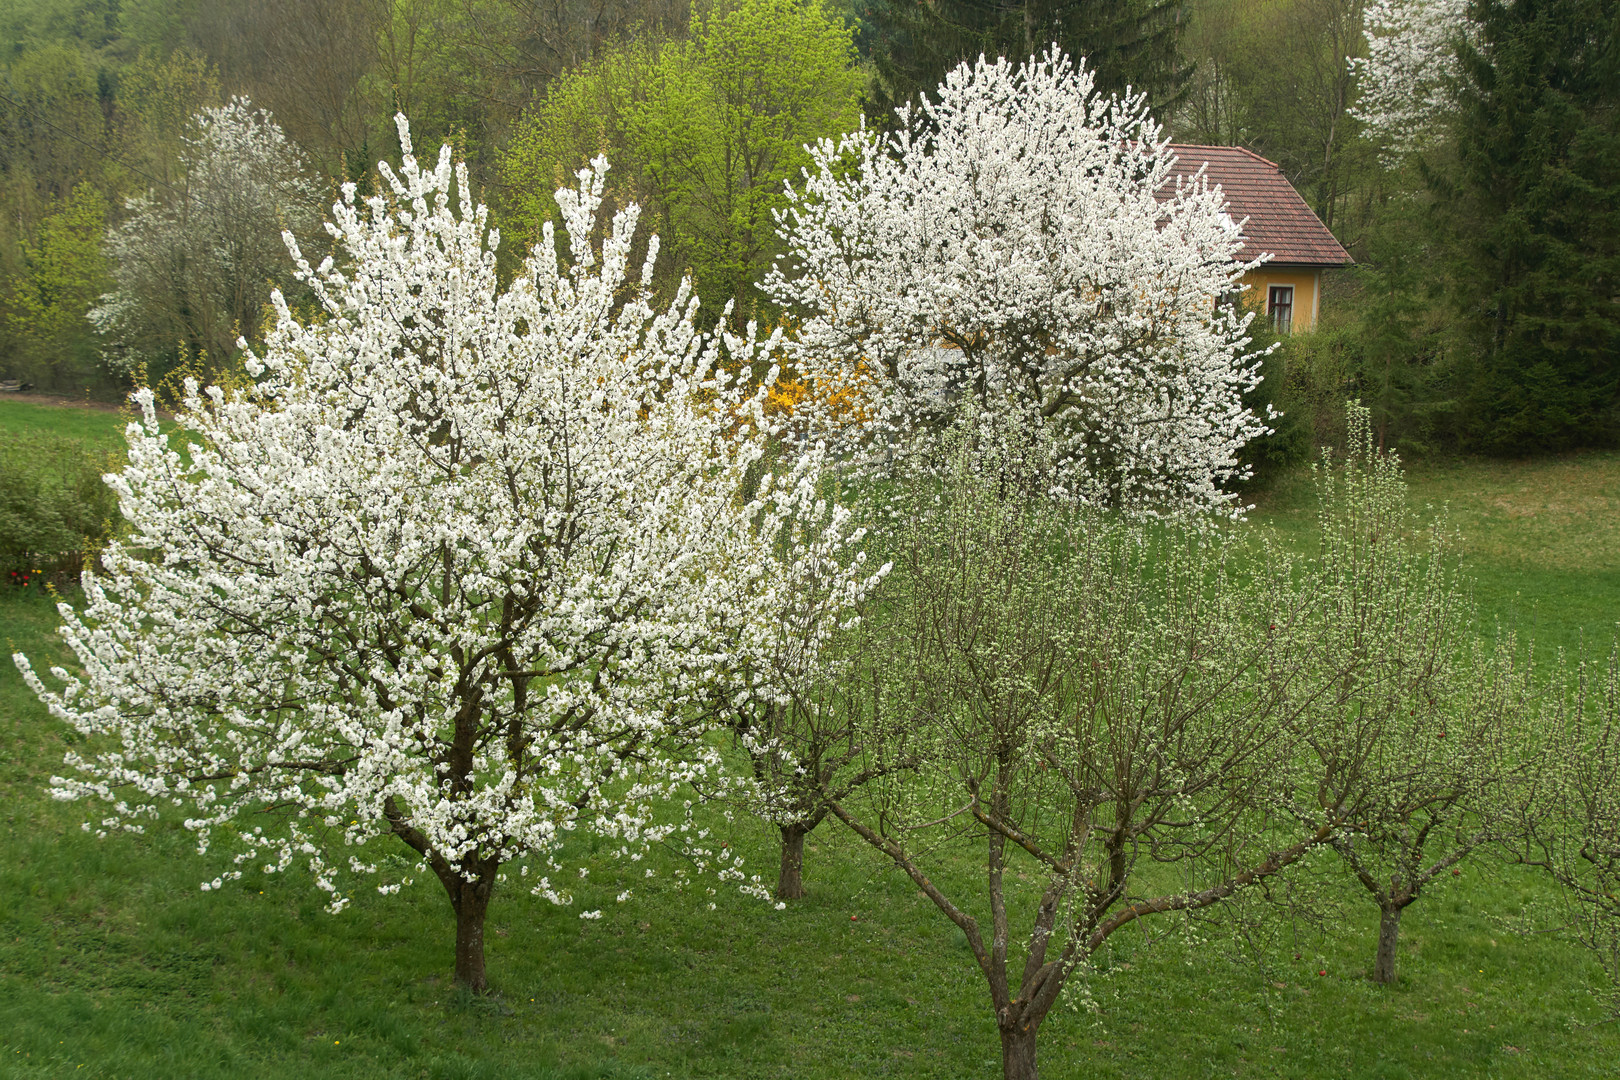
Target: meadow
column 114, row 964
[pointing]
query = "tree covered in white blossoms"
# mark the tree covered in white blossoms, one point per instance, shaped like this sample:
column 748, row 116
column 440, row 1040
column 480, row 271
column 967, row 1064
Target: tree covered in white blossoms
column 1022, row 242
column 454, row 570
column 1405, row 82
column 195, row 261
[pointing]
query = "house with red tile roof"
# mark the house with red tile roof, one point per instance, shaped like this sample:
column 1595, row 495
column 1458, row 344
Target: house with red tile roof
column 1287, row 288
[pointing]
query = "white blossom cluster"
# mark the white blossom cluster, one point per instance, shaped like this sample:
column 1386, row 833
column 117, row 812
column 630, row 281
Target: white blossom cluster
column 1022, row 242
column 454, row 570
column 193, row 259
column 1405, row 80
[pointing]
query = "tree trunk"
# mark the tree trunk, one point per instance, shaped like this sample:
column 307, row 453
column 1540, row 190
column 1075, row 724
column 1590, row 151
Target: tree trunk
column 1389, row 938
column 790, row 882
column 1018, row 1053
column 471, row 906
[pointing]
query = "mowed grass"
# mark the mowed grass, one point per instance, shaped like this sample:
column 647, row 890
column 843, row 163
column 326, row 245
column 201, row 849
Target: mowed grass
column 85, row 424
column 113, row 963
column 1540, row 538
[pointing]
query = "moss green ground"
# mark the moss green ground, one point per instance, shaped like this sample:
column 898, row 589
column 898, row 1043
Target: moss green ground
column 114, row 964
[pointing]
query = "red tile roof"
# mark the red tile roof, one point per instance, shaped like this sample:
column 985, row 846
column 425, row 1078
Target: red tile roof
column 1280, row 223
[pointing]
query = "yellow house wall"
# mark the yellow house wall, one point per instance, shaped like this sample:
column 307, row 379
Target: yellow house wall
column 1307, row 283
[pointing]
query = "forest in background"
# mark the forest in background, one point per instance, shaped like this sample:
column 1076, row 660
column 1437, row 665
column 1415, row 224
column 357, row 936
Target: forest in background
column 145, row 191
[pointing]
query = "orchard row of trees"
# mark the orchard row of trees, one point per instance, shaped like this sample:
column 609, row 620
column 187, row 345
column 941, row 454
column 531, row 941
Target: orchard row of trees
column 475, row 562
column 1463, row 152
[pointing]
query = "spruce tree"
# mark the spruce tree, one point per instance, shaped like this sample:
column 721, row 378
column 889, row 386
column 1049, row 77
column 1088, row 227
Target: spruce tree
column 912, row 43
column 1531, row 209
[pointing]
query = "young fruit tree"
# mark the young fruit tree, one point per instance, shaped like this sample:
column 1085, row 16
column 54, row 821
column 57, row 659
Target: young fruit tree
column 1110, row 713
column 802, row 709
column 1572, row 827
column 453, row 572
column 1020, row 242
column 1442, row 718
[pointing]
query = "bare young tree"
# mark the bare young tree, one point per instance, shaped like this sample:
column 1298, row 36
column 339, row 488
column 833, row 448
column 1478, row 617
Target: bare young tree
column 1440, row 714
column 1093, row 700
column 797, row 699
column 1572, row 827
column 816, row 731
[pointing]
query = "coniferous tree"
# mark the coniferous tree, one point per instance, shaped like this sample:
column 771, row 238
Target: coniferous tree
column 1531, row 210
column 913, row 43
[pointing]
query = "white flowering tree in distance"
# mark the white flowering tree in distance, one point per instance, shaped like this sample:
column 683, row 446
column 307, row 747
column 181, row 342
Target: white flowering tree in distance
column 454, row 570
column 1405, row 81
column 1022, row 242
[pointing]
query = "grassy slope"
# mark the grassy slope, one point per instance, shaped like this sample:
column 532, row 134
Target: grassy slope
column 81, row 424
column 1540, row 538
column 111, row 958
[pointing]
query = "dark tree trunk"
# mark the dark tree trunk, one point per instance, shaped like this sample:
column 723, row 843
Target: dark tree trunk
column 1018, row 1052
column 471, row 903
column 790, row 882
column 1389, row 939
column 469, row 899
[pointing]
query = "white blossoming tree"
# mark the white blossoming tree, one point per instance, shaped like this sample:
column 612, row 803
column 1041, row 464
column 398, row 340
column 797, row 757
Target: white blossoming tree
column 1404, row 82
column 453, row 572
column 1021, row 241
column 195, row 261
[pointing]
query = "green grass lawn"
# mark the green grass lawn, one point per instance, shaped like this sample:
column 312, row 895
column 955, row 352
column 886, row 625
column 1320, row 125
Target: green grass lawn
column 114, row 964
column 98, row 426
column 1541, row 539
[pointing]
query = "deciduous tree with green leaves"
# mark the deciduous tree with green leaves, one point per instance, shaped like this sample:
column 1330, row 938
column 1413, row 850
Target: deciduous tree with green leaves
column 63, row 271
column 1130, row 44
column 708, row 130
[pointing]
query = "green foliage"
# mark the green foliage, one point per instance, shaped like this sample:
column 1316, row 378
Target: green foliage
column 51, row 122
column 1384, row 339
column 1531, row 212
column 54, row 506
column 158, row 94
column 1291, row 437
column 90, row 23
column 1276, row 78
column 1127, row 43
column 581, row 116
column 62, row 274
column 705, row 131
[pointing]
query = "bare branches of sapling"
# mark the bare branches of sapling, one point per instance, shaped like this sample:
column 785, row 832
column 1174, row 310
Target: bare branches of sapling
column 1437, row 720
column 1572, row 827
column 1090, row 699
column 801, row 699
